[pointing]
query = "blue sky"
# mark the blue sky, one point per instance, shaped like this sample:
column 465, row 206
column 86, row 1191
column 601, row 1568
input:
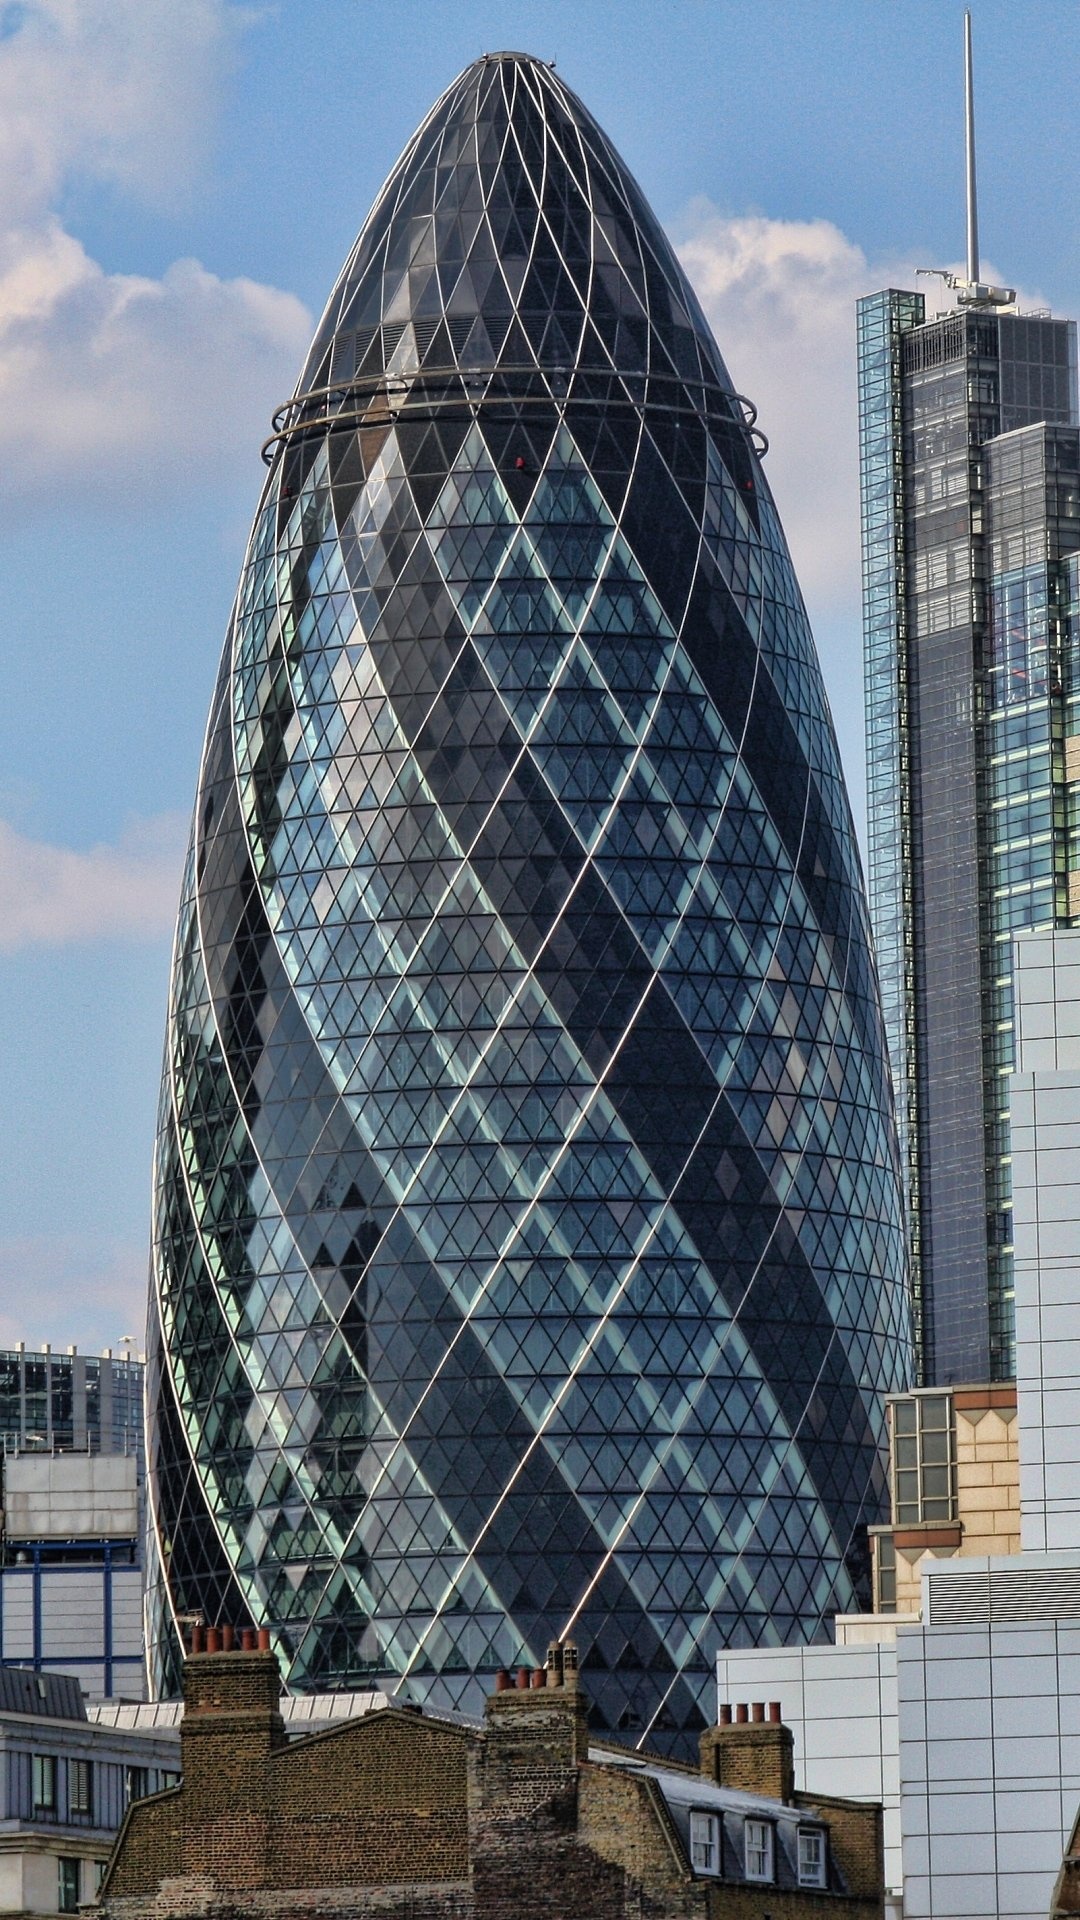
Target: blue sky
column 179, row 182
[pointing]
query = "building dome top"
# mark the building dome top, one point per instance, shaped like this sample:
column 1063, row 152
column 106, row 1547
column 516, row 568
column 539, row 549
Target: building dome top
column 511, row 235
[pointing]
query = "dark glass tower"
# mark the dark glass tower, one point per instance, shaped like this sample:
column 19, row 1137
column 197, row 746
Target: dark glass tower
column 528, row 1255
column 971, row 525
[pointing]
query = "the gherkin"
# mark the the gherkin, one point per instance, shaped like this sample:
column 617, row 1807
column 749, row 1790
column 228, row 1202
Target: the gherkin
column 528, row 1251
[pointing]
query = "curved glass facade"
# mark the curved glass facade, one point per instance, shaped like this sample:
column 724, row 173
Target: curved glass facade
column 528, row 1253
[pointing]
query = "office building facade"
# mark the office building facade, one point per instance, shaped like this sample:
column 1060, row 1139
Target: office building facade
column 70, row 1402
column 961, row 1708
column 970, row 471
column 71, row 1585
column 66, row 1783
column 71, row 1560
column 528, row 1252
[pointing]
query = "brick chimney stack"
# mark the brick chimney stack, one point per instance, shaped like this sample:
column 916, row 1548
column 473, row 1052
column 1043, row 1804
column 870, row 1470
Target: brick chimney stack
column 752, row 1751
column 536, row 1720
column 232, row 1721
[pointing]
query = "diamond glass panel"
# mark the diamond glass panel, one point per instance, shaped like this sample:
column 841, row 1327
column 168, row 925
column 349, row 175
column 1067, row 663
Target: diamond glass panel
column 528, row 1255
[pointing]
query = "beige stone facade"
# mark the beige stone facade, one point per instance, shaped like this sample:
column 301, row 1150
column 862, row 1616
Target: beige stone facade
column 962, row 1494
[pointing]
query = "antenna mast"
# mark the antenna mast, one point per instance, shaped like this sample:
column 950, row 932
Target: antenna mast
column 971, row 292
column 969, row 137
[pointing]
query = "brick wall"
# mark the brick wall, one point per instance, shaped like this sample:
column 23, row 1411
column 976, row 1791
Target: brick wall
column 625, row 1820
column 758, row 1757
column 373, row 1801
column 856, row 1837
column 402, row 1816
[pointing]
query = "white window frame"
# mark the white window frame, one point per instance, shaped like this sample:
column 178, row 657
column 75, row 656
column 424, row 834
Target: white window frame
column 705, row 1841
column 759, row 1843
column 814, row 1873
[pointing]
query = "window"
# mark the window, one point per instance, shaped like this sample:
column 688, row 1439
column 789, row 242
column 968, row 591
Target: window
column 79, row 1787
column 812, row 1857
column 885, row 1571
column 704, row 1842
column 43, row 1768
column 924, row 1472
column 135, row 1783
column 68, row 1885
column 758, row 1843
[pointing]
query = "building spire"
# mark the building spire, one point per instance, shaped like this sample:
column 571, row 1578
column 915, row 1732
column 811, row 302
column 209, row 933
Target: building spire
column 969, row 141
column 971, row 292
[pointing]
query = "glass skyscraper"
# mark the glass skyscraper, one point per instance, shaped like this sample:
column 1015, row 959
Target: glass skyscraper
column 971, row 524
column 529, row 1251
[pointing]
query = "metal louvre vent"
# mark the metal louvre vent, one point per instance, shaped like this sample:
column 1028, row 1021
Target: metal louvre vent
column 1037, row 1593
column 342, row 358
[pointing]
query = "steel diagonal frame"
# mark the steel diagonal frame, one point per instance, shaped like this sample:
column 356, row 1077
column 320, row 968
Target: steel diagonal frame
column 537, row 161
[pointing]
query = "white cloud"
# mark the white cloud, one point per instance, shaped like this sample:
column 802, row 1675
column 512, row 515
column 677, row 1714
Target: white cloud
column 121, row 90
column 57, row 896
column 108, row 381
column 67, row 1288
column 780, row 295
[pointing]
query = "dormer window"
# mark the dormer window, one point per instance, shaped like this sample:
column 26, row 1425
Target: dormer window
column 812, row 1857
column 759, row 1850
column 704, row 1841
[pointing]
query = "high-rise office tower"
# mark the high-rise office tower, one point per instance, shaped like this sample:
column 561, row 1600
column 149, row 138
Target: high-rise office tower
column 970, row 471
column 71, row 1460
column 71, row 1402
column 529, row 1247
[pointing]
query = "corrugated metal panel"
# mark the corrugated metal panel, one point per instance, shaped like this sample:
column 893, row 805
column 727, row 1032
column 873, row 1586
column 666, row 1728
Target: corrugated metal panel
column 1036, row 1593
column 72, row 1613
column 18, row 1630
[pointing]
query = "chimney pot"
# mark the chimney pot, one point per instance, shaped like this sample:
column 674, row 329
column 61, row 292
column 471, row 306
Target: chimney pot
column 554, row 1665
column 196, row 1639
column 213, row 1640
column 263, row 1638
column 502, row 1680
column 539, row 1677
column 523, row 1679
column 247, row 1639
column 751, row 1758
column 228, row 1639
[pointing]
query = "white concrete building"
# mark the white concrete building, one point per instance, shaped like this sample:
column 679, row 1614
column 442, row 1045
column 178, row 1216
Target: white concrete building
column 968, row 1726
column 841, row 1705
column 1045, row 1123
